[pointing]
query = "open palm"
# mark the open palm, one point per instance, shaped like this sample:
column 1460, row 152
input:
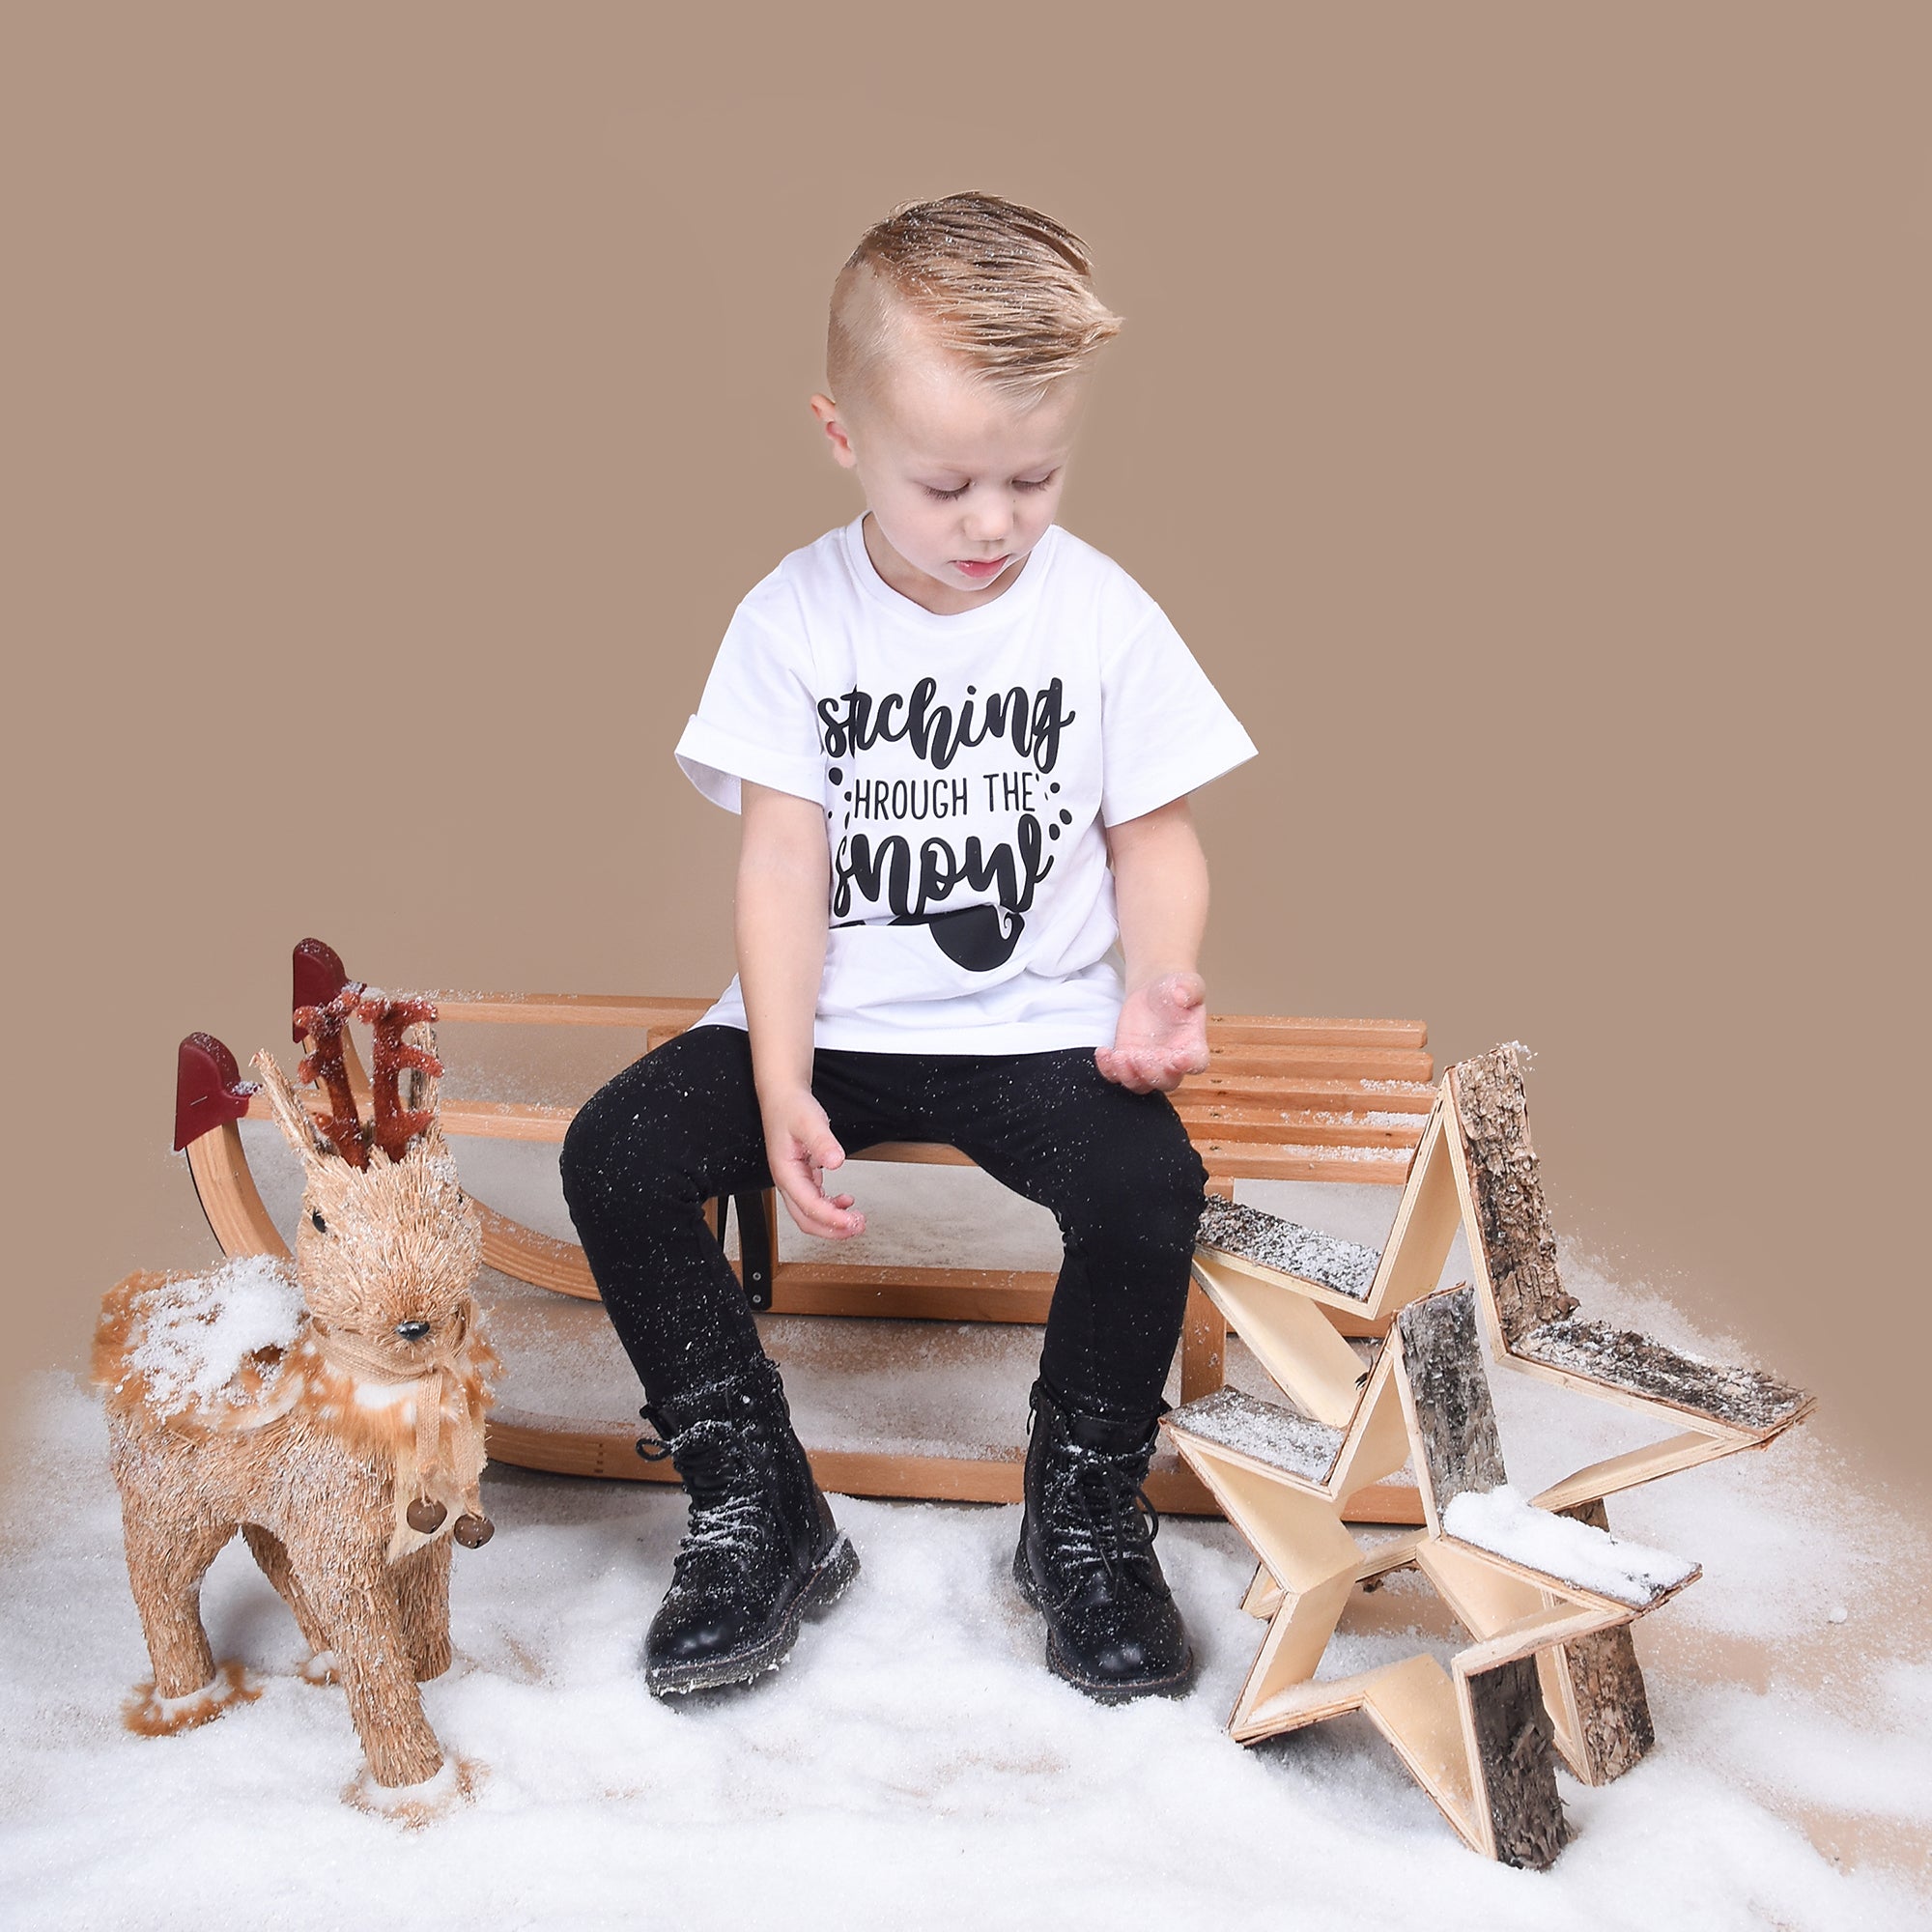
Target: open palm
column 1162, row 1035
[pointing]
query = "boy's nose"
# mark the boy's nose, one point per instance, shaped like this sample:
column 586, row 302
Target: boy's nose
column 988, row 523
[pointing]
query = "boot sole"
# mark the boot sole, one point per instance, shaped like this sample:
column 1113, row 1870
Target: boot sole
column 816, row 1596
column 1101, row 1690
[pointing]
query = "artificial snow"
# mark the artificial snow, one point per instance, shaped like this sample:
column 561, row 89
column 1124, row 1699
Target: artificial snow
column 194, row 1335
column 1506, row 1525
column 1263, row 1431
column 914, row 1764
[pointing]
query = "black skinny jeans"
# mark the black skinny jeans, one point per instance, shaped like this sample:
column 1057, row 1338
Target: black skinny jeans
column 681, row 1126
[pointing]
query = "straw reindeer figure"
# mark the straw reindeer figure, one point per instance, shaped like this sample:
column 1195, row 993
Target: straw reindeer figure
column 348, row 1447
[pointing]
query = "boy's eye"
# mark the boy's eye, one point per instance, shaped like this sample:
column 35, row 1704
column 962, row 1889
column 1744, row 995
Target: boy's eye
column 952, row 496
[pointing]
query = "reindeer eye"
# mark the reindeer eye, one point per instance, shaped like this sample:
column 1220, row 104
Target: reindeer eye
column 316, row 1221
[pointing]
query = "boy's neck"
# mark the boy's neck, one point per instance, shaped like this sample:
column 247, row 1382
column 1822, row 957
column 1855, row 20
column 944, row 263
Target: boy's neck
column 942, row 600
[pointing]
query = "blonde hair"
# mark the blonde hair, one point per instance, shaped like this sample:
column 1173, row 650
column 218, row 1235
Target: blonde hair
column 1004, row 288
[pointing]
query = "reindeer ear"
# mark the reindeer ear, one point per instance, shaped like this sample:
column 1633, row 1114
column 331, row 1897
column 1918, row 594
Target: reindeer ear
column 296, row 1124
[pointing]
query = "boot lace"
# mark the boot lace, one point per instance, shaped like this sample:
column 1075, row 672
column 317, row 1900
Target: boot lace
column 1111, row 1524
column 732, row 1518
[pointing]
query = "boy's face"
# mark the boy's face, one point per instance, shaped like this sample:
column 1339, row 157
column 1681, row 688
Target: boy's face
column 960, row 480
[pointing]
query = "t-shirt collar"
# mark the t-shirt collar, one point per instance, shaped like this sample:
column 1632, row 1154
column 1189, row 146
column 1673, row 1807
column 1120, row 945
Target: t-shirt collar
column 1024, row 592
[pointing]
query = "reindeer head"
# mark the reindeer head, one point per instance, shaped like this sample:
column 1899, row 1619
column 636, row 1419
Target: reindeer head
column 388, row 1247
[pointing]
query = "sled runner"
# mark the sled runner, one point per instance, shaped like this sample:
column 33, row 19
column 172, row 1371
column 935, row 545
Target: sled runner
column 1337, row 1100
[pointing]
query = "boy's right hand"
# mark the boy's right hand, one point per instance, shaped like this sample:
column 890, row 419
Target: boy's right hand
column 800, row 1147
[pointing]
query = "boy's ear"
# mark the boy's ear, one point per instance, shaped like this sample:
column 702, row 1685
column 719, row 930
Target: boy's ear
column 832, row 424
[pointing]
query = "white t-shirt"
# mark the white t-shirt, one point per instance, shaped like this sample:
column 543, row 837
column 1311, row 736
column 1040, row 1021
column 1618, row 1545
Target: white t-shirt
column 967, row 766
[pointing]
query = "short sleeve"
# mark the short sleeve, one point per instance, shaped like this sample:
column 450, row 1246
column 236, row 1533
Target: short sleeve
column 756, row 719
column 1166, row 731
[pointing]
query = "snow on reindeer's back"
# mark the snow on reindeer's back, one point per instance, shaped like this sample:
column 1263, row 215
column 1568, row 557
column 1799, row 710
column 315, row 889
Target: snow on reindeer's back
column 187, row 1340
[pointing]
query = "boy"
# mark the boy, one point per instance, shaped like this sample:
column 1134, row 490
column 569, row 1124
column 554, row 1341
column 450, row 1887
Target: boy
column 962, row 743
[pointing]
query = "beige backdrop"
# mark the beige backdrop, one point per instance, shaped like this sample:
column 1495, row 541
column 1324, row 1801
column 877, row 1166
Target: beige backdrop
column 1522, row 411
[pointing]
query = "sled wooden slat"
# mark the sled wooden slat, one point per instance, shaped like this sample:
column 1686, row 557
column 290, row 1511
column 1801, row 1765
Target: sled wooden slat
column 1319, row 1063
column 645, row 1009
column 1268, row 1029
column 608, row 1450
column 1269, row 1147
column 1344, row 1098
column 914, row 1153
column 1272, row 1125
column 1263, row 1160
column 952, row 1295
column 606, row 1009
column 916, row 1293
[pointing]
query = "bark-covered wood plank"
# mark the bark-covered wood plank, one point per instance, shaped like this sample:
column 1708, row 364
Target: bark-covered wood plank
column 1615, row 1732
column 1519, row 1242
column 1269, row 1240
column 1519, row 1765
column 1456, row 1421
column 1745, row 1399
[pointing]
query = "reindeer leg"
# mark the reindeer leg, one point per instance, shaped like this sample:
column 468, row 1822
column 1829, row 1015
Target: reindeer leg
column 421, row 1582
column 357, row 1607
column 166, row 1560
column 274, row 1559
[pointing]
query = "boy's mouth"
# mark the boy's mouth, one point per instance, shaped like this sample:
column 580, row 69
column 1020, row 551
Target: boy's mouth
column 980, row 573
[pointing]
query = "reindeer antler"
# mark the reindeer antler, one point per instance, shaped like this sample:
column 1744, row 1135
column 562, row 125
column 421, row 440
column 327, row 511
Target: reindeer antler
column 392, row 1055
column 325, row 1066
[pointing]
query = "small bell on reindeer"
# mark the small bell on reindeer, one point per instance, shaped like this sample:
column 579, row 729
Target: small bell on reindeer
column 332, row 1411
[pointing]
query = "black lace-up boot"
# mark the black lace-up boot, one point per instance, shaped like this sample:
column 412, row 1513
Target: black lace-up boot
column 761, row 1549
column 1085, row 1558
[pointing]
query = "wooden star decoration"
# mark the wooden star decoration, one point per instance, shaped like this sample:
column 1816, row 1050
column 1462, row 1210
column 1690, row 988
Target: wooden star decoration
column 1548, row 1597
column 1476, row 1736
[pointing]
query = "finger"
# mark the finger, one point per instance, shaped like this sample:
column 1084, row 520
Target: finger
column 814, row 1214
column 1178, row 1062
column 795, row 1178
column 838, row 1224
column 832, row 1218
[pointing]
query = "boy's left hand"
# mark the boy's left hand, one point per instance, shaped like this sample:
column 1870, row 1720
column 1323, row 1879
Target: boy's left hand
column 1162, row 1035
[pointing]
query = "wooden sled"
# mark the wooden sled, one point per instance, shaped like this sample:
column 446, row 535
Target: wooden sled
column 1283, row 1098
